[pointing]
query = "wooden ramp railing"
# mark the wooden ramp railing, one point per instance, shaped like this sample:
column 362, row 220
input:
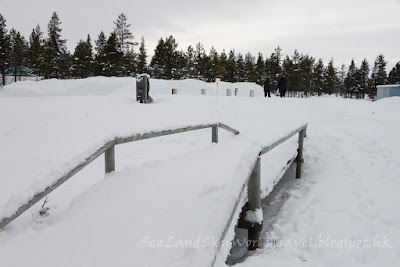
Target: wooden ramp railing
column 109, row 152
column 253, row 186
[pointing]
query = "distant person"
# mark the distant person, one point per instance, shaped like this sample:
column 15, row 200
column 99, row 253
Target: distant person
column 282, row 86
column 267, row 88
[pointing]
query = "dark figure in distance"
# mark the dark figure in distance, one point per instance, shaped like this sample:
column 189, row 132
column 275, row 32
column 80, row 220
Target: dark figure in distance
column 282, row 86
column 267, row 88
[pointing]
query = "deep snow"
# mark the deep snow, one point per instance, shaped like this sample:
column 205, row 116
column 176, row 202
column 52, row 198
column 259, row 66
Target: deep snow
column 348, row 191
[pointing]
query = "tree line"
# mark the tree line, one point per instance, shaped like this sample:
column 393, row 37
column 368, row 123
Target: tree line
column 115, row 55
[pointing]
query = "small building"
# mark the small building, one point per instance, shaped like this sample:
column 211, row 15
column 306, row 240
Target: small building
column 21, row 71
column 387, row 91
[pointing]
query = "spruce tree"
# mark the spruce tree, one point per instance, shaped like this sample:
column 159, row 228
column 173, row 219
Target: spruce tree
column 318, row 78
column 142, row 58
column 82, row 59
column 249, row 62
column 214, row 60
column 113, row 57
column 222, row 66
column 18, row 51
column 350, row 81
column 55, row 51
column 341, row 80
column 288, row 73
column 260, row 69
column 330, row 78
column 100, row 59
column 4, row 48
column 231, row 75
column 241, row 69
column 378, row 76
column 35, row 52
column 274, row 67
column 364, row 80
column 306, row 64
column 129, row 63
column 394, row 75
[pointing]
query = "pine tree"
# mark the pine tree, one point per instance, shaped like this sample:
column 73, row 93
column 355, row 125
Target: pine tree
column 142, row 58
column 123, row 34
column 189, row 68
column 200, row 61
column 394, row 75
column 35, row 52
column 18, row 51
column 163, row 64
column 378, row 76
column 100, row 60
column 4, row 48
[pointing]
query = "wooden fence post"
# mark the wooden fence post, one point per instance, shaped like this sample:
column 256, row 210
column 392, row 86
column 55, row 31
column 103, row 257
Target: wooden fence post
column 214, row 134
column 254, row 204
column 299, row 158
column 109, row 155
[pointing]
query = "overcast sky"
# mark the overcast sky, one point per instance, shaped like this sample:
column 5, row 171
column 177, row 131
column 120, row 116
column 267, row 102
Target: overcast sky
column 339, row 29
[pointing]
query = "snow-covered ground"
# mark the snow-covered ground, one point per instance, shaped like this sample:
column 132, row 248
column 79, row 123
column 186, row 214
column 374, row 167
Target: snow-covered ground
column 182, row 188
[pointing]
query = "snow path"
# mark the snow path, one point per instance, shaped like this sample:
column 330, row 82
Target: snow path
column 349, row 192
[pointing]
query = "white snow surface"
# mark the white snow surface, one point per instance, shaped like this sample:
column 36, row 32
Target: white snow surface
column 171, row 197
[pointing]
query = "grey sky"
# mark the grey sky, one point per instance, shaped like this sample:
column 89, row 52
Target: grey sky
column 340, row 29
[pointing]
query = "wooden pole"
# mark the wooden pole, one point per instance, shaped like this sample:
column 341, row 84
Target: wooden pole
column 110, row 159
column 299, row 159
column 214, row 134
column 254, row 195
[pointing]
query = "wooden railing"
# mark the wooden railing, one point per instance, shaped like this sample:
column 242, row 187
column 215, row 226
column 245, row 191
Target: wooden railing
column 109, row 152
column 253, row 186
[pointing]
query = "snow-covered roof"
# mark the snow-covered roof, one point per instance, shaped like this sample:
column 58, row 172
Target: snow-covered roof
column 388, row 85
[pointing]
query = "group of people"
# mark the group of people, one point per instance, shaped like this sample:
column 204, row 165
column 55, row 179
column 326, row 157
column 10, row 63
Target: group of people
column 281, row 87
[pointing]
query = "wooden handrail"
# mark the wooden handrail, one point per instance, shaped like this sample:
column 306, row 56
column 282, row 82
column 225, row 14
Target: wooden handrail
column 252, row 184
column 108, row 150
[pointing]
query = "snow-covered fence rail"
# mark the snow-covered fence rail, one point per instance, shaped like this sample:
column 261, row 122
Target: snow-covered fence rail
column 108, row 150
column 252, row 184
